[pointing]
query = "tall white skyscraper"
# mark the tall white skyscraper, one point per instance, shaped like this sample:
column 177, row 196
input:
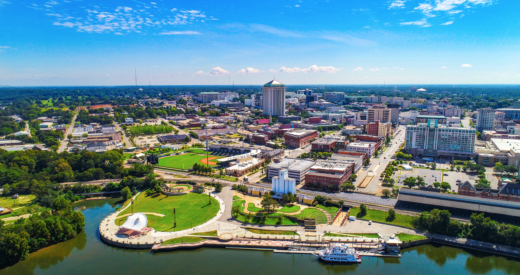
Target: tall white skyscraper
column 274, row 98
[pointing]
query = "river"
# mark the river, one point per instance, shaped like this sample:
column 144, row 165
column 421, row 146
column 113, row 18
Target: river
column 87, row 254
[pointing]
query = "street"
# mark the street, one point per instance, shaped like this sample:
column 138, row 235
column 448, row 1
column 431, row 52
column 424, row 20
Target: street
column 65, row 142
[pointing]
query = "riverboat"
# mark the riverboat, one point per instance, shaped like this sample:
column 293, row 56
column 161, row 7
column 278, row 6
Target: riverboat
column 339, row 253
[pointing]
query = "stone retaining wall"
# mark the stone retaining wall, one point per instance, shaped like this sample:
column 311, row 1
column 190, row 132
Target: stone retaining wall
column 415, row 243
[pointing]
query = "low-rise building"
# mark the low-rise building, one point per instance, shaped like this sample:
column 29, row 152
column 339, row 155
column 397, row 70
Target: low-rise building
column 257, row 138
column 353, row 130
column 508, row 192
column 329, row 174
column 327, row 144
column 298, row 139
column 297, row 168
column 357, row 160
column 364, row 147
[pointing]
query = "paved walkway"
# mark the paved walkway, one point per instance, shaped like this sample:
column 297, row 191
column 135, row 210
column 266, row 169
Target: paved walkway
column 109, row 229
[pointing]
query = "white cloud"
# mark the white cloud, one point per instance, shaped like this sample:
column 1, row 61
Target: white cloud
column 443, row 67
column 217, row 71
column 200, row 73
column 179, row 33
column 466, row 65
column 397, row 4
column 398, row 68
column 421, row 23
column 311, row 69
column 249, row 70
column 374, row 69
column 297, row 6
column 447, row 23
column 432, row 8
column 358, row 69
column 121, row 19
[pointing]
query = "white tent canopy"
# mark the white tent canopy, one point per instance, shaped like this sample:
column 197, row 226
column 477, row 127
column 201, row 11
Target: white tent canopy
column 136, row 222
column 407, row 167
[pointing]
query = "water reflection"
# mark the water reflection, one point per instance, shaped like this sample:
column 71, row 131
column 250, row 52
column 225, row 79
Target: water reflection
column 439, row 254
column 485, row 263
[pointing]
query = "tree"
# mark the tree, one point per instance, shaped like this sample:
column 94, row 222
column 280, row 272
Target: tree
column 445, row 186
column 157, row 188
column 410, row 182
column 436, row 184
column 126, row 193
column 15, row 247
column 434, row 166
column 85, row 135
column 386, row 193
column 391, row 215
column 218, row 187
column 458, row 168
column 353, row 177
column 268, row 203
column 69, row 136
column 499, row 167
column 60, row 204
column 363, row 210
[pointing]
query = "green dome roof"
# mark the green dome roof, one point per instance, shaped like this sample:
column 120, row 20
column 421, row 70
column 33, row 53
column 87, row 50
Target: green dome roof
column 274, row 83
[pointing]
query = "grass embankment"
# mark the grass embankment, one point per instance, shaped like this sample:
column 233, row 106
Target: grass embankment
column 381, row 217
column 208, row 233
column 272, row 232
column 183, row 240
column 409, row 237
column 191, row 210
column 127, row 155
column 312, row 213
column 331, row 210
column 228, row 178
column 237, row 198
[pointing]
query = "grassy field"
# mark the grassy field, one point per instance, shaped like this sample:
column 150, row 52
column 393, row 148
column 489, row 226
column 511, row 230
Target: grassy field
column 197, row 151
column 380, row 216
column 289, row 209
column 191, row 209
column 183, row 240
column 208, row 233
column 229, row 178
column 237, row 198
column 409, row 237
column 184, row 162
column 127, row 155
column 272, row 232
column 140, row 130
column 23, row 200
column 311, row 213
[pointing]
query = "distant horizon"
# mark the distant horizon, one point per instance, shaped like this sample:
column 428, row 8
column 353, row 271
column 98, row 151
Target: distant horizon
column 103, row 43
column 254, row 85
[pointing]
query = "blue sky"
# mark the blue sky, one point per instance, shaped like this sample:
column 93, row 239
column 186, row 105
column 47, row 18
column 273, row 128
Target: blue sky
column 93, row 42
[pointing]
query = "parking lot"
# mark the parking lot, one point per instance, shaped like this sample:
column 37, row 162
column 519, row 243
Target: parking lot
column 429, row 176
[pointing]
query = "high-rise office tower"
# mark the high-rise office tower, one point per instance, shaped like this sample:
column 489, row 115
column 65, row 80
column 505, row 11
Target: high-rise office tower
column 274, row 98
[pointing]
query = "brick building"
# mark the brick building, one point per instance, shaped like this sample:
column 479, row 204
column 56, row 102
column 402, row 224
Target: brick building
column 508, row 192
column 298, row 139
column 328, row 144
column 379, row 129
column 329, row 173
column 257, row 138
column 353, row 153
column 367, row 138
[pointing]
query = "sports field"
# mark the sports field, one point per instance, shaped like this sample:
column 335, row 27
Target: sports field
column 186, row 161
column 191, row 210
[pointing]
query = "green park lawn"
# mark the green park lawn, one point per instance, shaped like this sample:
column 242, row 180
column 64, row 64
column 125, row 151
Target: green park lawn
column 191, row 210
column 272, row 232
column 252, row 208
column 196, row 151
column 381, row 216
column 375, row 236
column 237, row 198
column 23, row 200
column 409, row 237
column 184, row 162
column 289, row 209
column 183, row 240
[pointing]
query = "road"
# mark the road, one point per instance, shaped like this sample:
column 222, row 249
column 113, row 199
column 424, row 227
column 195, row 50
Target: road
column 124, row 138
column 65, row 142
column 27, row 129
column 377, row 166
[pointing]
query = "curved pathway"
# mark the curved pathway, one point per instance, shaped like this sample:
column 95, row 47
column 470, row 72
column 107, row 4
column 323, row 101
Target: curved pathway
column 108, row 230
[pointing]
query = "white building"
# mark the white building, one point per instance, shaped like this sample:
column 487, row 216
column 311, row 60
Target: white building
column 485, row 119
column 274, row 98
column 363, row 147
column 282, row 184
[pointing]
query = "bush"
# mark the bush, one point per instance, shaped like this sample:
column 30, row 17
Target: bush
column 362, row 211
column 386, row 193
column 126, row 193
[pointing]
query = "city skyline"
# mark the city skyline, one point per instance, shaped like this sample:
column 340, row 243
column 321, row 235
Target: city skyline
column 91, row 43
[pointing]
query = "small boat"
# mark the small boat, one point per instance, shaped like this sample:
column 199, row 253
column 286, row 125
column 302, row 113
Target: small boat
column 339, row 253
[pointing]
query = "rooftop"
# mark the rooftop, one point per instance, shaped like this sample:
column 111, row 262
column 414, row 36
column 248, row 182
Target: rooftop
column 506, row 145
column 292, row 164
column 274, row 83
